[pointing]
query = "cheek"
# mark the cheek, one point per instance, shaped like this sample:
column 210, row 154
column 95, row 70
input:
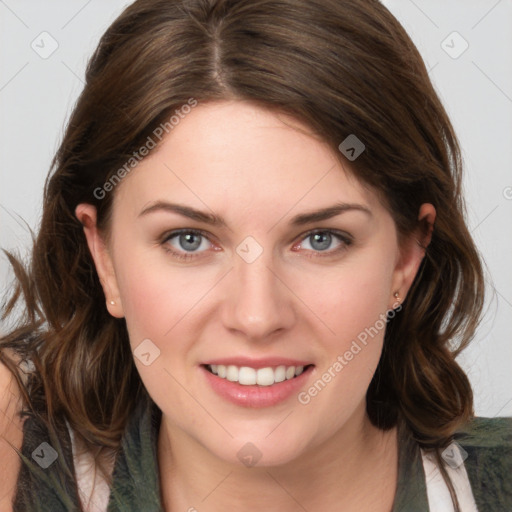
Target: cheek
column 352, row 303
column 144, row 298
column 157, row 297
column 158, row 303
column 349, row 299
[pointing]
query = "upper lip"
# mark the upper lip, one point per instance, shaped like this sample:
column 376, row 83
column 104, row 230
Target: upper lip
column 257, row 363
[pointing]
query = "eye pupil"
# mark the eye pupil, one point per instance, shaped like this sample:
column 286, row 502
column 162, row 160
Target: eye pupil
column 322, row 241
column 190, row 241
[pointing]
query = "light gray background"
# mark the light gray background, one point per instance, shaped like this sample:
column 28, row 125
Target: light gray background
column 37, row 94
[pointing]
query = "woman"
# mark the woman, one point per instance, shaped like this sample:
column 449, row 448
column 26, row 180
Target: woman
column 252, row 277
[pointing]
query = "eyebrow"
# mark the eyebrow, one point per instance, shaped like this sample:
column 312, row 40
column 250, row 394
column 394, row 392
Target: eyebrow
column 215, row 220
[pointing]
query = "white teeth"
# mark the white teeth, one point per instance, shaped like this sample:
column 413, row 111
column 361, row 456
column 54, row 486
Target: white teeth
column 265, row 377
column 280, row 374
column 250, row 376
column 232, row 373
column 247, row 376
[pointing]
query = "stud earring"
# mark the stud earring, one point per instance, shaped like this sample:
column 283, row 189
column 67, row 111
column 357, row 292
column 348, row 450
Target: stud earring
column 396, row 295
column 112, row 302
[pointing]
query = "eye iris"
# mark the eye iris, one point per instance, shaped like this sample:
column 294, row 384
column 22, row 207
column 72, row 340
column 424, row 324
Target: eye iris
column 190, row 241
column 323, row 241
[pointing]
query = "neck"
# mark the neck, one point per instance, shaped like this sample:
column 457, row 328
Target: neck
column 357, row 467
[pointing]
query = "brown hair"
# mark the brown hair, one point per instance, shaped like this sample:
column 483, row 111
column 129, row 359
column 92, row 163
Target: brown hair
column 341, row 68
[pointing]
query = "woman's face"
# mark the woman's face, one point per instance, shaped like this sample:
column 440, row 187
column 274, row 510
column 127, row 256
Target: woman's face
column 247, row 283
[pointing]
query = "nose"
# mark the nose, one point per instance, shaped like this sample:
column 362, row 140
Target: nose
column 258, row 303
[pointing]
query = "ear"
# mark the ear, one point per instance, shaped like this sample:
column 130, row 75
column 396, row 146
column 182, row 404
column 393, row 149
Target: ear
column 412, row 252
column 86, row 214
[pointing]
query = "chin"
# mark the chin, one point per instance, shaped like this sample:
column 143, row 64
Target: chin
column 261, row 451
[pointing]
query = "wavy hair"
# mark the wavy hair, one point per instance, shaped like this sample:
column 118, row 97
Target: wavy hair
column 340, row 67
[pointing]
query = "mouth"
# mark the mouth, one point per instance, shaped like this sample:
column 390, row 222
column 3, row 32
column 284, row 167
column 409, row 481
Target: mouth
column 249, row 376
column 264, row 384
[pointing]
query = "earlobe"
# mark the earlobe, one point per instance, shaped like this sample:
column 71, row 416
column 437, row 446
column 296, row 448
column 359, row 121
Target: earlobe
column 86, row 214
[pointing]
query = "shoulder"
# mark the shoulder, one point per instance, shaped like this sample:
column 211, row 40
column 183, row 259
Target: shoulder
column 10, row 396
column 488, row 445
column 11, row 434
column 11, row 404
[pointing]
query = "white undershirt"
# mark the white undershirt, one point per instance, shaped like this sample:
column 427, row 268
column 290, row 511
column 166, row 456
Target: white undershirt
column 439, row 499
column 88, row 479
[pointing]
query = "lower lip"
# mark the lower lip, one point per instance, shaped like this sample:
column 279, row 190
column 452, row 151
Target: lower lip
column 256, row 396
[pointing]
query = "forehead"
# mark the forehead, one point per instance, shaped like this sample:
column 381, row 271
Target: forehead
column 239, row 156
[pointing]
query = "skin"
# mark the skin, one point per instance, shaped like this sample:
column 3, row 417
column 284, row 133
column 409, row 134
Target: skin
column 11, row 432
column 256, row 170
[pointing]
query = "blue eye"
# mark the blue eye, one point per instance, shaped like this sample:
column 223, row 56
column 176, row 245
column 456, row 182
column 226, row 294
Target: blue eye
column 189, row 241
column 323, row 241
column 186, row 243
column 320, row 241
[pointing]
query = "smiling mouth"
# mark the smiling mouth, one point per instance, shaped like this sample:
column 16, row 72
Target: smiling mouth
column 247, row 376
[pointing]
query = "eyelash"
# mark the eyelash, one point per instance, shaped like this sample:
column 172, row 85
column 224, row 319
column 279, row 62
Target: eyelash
column 342, row 237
